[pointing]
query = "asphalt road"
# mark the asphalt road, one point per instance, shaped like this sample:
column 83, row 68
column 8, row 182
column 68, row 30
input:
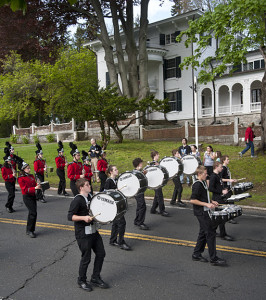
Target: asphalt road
column 158, row 267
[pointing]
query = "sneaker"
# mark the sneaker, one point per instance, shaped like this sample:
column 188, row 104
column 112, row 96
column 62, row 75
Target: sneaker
column 97, row 281
column 85, row 286
column 218, row 262
column 199, row 258
column 43, row 201
column 31, row 234
column 240, row 154
column 181, row 204
column 253, row 156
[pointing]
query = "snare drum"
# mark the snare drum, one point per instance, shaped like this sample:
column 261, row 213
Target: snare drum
column 238, row 197
column 242, row 187
column 45, row 185
column 132, row 183
column 157, row 176
column 108, row 206
column 190, row 164
column 173, row 165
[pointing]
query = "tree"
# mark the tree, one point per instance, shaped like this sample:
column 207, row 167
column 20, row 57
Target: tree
column 226, row 22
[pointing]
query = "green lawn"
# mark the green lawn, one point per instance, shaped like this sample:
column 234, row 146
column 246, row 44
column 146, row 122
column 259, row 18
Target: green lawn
column 122, row 155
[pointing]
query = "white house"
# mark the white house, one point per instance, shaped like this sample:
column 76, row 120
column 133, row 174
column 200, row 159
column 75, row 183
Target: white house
column 234, row 95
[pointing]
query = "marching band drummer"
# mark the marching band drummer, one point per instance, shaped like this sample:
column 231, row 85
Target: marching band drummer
column 118, row 225
column 102, row 166
column 60, row 162
column 141, row 204
column 218, row 192
column 87, row 168
column 28, row 187
column 158, row 196
column 87, row 236
column 39, row 168
column 207, row 233
column 74, row 169
column 9, row 176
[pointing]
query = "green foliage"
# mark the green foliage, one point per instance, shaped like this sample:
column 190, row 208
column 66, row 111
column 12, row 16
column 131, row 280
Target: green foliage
column 25, row 139
column 50, row 138
column 13, row 138
column 36, row 138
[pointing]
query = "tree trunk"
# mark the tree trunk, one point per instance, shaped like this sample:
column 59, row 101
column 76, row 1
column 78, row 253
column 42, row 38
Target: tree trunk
column 104, row 135
column 143, row 57
column 118, row 133
column 19, row 124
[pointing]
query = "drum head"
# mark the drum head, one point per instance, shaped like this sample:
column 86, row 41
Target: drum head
column 129, row 183
column 105, row 205
column 172, row 165
column 190, row 164
column 155, row 176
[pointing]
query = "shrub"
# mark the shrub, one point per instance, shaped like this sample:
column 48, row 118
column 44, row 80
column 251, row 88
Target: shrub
column 50, row 137
column 36, row 139
column 13, row 138
column 25, row 139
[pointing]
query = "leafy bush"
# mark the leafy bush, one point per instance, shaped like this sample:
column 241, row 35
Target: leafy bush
column 36, row 139
column 25, row 139
column 50, row 137
column 13, row 138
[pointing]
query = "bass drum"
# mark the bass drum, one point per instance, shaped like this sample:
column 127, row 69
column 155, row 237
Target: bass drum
column 173, row 165
column 190, row 164
column 157, row 176
column 132, row 183
column 108, row 206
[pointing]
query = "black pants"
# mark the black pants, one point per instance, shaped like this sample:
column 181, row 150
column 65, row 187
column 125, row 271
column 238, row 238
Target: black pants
column 62, row 181
column 10, row 186
column 177, row 190
column 158, row 201
column 207, row 235
column 30, row 202
column 39, row 193
column 103, row 178
column 91, row 242
column 141, row 209
column 73, row 187
column 118, row 228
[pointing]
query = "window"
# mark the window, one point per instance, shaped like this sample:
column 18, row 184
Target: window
column 256, row 64
column 175, row 100
column 256, row 95
column 171, row 68
column 167, row 39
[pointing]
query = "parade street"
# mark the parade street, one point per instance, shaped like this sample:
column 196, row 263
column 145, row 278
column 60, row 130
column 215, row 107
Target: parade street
column 158, row 267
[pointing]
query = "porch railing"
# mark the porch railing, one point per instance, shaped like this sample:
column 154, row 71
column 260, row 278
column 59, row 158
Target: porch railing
column 255, row 106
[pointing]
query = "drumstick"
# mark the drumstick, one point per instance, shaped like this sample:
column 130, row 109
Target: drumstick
column 122, row 187
column 241, row 179
column 93, row 217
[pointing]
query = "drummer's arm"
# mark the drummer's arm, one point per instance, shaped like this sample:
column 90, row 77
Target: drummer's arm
column 86, row 219
column 200, row 203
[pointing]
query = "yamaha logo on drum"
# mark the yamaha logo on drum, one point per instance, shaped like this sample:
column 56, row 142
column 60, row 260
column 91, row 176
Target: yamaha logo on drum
column 105, row 200
column 152, row 169
column 165, row 160
column 189, row 157
column 125, row 177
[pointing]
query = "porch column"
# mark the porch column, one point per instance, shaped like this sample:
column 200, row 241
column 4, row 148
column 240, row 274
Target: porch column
column 246, row 97
column 217, row 102
column 230, row 101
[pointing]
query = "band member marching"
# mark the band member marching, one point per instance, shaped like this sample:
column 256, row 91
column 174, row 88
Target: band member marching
column 29, row 187
column 87, row 168
column 87, row 236
column 95, row 152
column 12, row 155
column 158, row 197
column 141, row 204
column 102, row 166
column 74, row 169
column 9, row 176
column 207, row 233
column 39, row 168
column 60, row 162
column 118, row 225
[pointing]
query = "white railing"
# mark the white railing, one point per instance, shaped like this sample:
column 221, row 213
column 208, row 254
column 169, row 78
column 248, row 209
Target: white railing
column 223, row 110
column 237, row 108
column 255, row 106
column 206, row 111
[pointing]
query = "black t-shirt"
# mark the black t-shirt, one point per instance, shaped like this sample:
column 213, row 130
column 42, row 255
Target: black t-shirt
column 184, row 150
column 110, row 184
column 79, row 207
column 199, row 192
column 225, row 174
column 216, row 187
column 96, row 148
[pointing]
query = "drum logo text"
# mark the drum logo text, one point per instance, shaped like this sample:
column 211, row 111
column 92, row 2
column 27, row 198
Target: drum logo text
column 125, row 177
column 105, row 200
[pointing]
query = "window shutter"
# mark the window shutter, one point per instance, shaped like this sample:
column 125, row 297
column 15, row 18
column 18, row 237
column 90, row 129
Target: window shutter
column 179, row 100
column 176, row 34
column 162, row 39
column 178, row 70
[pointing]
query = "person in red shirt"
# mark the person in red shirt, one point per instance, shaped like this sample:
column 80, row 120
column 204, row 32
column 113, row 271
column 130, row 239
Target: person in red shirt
column 249, row 136
column 74, row 169
column 28, row 187
column 102, row 167
column 60, row 162
column 39, row 168
column 87, row 168
column 9, row 176
column 12, row 155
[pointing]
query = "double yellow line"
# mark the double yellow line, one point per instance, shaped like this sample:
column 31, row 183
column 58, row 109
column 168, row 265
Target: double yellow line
column 150, row 238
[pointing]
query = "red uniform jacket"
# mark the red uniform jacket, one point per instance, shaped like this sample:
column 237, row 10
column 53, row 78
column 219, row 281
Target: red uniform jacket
column 7, row 174
column 60, row 162
column 249, row 134
column 27, row 184
column 88, row 171
column 74, row 170
column 14, row 165
column 39, row 165
column 102, row 165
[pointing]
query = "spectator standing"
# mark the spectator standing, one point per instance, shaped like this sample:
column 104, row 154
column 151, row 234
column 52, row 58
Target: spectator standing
column 184, row 150
column 249, row 136
column 95, row 152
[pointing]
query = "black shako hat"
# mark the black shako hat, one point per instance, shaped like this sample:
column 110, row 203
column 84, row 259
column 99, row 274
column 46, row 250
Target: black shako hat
column 74, row 148
column 61, row 148
column 85, row 155
column 39, row 147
